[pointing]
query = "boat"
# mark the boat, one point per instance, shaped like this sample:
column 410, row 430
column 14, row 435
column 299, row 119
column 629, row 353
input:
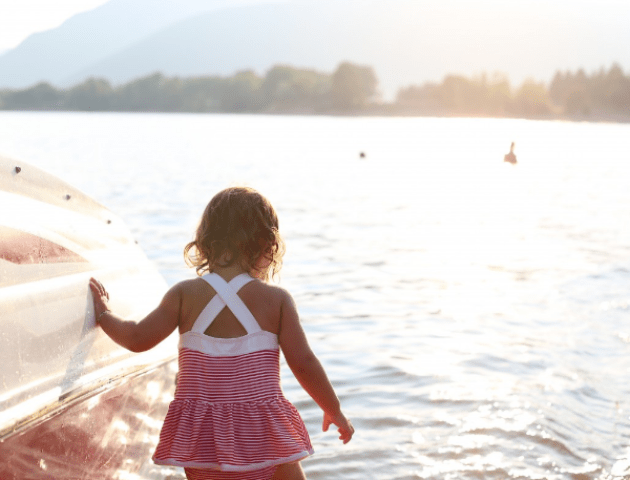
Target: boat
column 73, row 404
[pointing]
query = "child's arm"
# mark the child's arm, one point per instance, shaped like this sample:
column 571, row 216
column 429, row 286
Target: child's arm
column 137, row 336
column 309, row 371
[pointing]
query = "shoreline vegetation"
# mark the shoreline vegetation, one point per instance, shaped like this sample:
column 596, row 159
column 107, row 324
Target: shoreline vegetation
column 350, row 90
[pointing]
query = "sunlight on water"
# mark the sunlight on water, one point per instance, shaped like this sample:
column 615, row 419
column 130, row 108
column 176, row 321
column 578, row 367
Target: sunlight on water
column 472, row 314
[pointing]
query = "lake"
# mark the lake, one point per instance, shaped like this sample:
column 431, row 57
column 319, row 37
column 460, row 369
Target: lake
column 472, row 314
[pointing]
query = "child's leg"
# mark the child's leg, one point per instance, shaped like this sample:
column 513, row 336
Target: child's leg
column 204, row 474
column 289, row 471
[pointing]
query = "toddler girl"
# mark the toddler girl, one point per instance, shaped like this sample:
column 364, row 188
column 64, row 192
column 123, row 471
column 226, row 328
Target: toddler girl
column 229, row 418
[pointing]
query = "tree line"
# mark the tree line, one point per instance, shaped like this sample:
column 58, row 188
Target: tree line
column 601, row 93
column 350, row 88
column 283, row 88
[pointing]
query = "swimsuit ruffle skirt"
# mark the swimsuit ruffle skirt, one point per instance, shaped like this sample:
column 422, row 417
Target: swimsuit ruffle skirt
column 229, row 417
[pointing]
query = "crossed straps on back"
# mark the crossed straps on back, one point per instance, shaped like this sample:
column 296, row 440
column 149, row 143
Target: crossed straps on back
column 226, row 296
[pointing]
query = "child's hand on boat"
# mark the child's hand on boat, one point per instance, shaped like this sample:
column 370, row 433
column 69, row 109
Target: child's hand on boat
column 100, row 296
column 346, row 430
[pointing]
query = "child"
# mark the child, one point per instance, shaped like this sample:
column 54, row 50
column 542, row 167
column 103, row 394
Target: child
column 229, row 418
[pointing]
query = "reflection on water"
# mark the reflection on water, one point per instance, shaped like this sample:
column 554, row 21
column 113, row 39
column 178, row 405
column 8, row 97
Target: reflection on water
column 472, row 314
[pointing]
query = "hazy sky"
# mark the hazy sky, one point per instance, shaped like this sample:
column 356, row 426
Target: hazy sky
column 594, row 17
column 22, row 18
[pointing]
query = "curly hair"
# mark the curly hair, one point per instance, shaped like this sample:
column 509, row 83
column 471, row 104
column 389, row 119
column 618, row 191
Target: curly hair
column 238, row 225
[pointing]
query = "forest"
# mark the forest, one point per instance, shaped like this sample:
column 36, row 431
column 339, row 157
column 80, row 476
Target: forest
column 282, row 89
column 605, row 93
column 350, row 89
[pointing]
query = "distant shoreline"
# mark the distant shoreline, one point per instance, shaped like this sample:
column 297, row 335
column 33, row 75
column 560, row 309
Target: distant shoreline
column 351, row 90
column 609, row 117
column 370, row 112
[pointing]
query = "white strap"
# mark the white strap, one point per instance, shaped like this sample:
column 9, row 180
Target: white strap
column 208, row 314
column 239, row 281
column 226, row 296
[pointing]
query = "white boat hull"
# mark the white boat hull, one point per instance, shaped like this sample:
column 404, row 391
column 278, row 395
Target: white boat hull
column 65, row 387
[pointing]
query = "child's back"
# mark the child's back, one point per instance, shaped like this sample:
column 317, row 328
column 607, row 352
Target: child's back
column 262, row 299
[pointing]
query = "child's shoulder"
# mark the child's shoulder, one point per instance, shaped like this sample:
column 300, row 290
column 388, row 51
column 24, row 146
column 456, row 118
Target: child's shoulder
column 270, row 294
column 274, row 291
column 191, row 286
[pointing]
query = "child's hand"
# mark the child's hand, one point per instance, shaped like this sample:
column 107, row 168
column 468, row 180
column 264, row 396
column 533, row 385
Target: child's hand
column 100, row 296
column 346, row 430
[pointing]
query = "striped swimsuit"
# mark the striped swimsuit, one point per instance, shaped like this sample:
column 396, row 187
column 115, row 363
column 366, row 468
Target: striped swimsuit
column 229, row 418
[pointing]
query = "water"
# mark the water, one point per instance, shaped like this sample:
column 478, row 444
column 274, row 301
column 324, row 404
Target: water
column 471, row 314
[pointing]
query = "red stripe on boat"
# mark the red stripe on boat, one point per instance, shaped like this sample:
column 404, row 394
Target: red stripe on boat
column 24, row 248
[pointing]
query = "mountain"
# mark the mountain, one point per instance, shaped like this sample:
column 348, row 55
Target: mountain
column 253, row 37
column 88, row 37
column 406, row 41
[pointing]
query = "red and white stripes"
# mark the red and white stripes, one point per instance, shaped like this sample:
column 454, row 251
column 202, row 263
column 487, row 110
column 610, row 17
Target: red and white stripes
column 229, row 413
